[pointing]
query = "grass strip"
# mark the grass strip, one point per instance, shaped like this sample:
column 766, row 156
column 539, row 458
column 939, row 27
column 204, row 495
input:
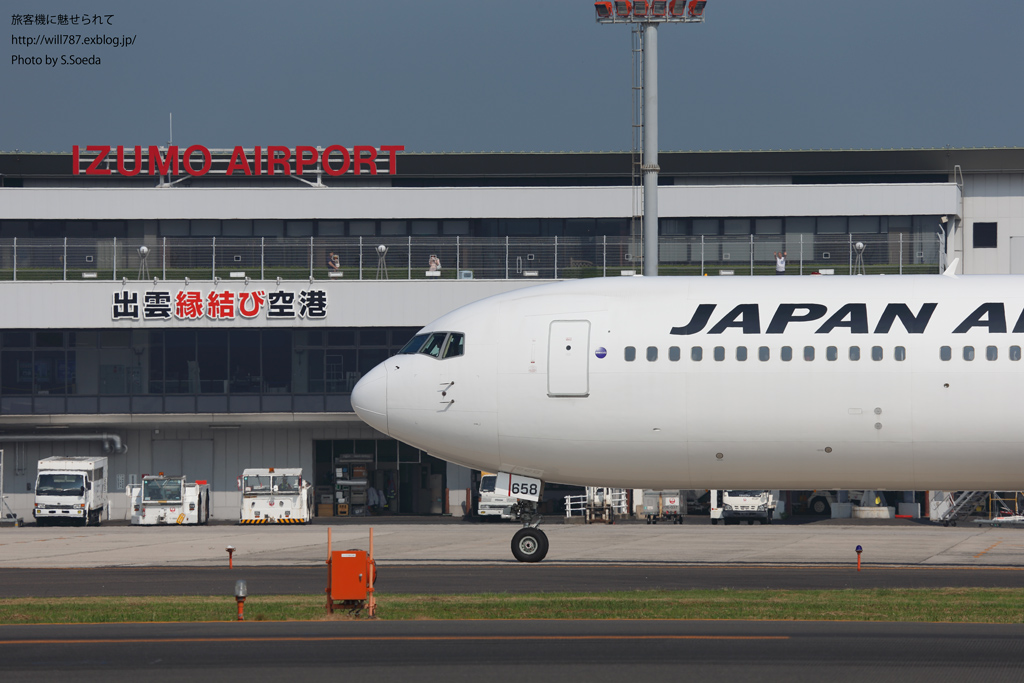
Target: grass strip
column 981, row 605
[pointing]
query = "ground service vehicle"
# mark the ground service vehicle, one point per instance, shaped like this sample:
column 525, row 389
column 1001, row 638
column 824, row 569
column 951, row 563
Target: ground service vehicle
column 71, row 489
column 493, row 505
column 275, row 495
column 717, row 382
column 733, row 507
column 169, row 500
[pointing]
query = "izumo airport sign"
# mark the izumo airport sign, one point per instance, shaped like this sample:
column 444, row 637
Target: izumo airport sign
column 197, row 160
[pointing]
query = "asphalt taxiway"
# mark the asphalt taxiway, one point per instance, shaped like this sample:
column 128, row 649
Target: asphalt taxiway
column 501, row 651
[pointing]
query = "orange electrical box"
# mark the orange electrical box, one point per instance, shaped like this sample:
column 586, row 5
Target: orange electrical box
column 351, row 575
column 350, row 578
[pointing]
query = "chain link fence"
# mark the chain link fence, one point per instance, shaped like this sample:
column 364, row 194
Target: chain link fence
column 450, row 257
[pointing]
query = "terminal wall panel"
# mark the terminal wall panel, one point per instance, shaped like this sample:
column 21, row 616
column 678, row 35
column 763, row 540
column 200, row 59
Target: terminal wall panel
column 365, row 303
column 474, row 202
column 992, row 198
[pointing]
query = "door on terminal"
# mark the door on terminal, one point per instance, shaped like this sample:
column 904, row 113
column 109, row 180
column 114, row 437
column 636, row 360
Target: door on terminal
column 1017, row 255
column 569, row 358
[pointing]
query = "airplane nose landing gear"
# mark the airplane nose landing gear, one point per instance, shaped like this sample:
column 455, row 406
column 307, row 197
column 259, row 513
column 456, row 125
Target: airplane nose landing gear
column 530, row 544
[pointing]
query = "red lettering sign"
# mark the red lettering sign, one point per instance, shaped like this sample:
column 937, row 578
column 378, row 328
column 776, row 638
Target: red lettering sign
column 335, row 160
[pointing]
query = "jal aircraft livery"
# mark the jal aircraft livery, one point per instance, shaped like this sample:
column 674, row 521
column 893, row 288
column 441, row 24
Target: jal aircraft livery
column 880, row 382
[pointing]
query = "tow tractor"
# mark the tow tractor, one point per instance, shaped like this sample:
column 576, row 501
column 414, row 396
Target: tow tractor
column 169, row 500
column 275, row 495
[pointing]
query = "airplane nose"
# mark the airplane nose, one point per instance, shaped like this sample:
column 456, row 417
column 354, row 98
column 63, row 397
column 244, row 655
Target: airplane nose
column 370, row 398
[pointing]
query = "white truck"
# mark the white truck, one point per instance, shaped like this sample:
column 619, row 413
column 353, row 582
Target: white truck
column 275, row 496
column 733, row 507
column 169, row 500
column 71, row 489
column 493, row 505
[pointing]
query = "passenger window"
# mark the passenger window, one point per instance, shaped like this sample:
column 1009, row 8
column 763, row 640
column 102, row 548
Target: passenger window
column 945, row 353
column 455, row 345
column 741, row 353
column 434, row 344
column 876, row 353
column 630, row 353
column 652, row 353
column 786, row 353
column 719, row 353
column 808, row 353
column 968, row 353
column 696, row 353
column 673, row 353
column 832, row 353
column 763, row 353
column 899, row 353
column 854, row 353
column 991, row 353
column 1014, row 353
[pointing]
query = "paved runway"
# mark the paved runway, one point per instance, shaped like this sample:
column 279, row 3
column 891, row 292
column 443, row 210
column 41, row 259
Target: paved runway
column 499, row 651
column 460, row 544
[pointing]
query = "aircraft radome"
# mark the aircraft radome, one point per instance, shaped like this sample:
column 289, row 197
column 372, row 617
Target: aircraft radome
column 877, row 382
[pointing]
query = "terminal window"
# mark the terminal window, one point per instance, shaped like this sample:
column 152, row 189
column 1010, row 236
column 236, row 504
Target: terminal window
column 985, row 235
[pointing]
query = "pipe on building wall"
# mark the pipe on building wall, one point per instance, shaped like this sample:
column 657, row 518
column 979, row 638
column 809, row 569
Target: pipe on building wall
column 111, row 442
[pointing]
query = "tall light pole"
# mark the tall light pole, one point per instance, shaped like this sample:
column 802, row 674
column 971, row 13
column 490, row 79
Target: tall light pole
column 648, row 14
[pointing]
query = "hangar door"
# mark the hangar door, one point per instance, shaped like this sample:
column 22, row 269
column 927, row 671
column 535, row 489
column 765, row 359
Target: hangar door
column 569, row 358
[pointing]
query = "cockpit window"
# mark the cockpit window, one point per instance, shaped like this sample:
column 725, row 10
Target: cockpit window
column 441, row 345
column 454, row 346
column 414, row 344
column 434, row 344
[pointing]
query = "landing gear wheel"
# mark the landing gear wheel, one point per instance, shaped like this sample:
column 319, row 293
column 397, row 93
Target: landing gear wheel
column 530, row 545
column 820, row 506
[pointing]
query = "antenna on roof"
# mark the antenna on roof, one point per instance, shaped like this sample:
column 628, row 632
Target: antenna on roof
column 170, row 127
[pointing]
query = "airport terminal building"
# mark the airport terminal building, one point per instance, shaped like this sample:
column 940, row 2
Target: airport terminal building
column 197, row 312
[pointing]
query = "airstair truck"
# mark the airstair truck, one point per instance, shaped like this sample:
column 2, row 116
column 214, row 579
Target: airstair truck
column 275, row 496
column 71, row 490
column 169, row 500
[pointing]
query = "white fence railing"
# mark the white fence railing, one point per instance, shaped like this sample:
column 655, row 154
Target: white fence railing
column 451, row 257
column 597, row 501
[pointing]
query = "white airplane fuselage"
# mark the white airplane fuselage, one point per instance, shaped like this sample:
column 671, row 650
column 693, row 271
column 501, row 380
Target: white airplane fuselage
column 544, row 387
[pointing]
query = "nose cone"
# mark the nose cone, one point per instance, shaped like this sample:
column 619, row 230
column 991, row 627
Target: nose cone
column 370, row 398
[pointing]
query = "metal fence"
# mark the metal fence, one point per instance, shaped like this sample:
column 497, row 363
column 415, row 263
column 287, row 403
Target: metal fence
column 405, row 258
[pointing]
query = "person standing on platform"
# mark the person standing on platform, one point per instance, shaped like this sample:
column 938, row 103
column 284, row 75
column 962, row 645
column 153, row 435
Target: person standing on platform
column 780, row 263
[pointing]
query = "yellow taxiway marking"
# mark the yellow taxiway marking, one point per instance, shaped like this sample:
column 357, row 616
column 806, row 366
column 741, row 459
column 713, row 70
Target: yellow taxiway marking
column 987, row 549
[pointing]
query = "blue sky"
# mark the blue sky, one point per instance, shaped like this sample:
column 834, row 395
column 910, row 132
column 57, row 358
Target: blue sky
column 522, row 75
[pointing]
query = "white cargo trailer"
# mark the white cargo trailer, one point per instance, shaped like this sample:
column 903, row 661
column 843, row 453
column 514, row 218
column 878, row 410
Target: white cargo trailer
column 71, row 490
column 275, row 495
column 169, row 500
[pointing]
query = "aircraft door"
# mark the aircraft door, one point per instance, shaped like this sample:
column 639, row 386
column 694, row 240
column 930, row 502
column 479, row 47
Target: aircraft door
column 569, row 358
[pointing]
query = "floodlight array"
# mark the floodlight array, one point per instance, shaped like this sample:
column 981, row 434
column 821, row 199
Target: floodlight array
column 630, row 11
